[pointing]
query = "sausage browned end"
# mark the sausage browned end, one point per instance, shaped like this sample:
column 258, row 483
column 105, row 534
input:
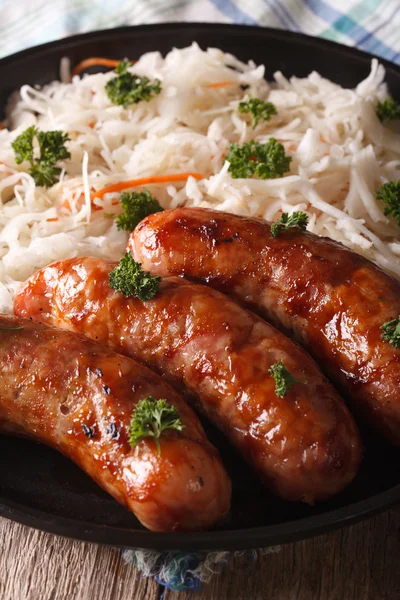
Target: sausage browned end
column 333, row 300
column 76, row 396
column 305, row 446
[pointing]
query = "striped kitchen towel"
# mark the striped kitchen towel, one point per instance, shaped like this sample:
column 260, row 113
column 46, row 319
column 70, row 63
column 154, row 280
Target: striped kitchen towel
column 372, row 25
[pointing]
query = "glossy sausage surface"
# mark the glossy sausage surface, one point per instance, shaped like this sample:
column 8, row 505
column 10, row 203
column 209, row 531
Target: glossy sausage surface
column 77, row 396
column 305, row 446
column 333, row 300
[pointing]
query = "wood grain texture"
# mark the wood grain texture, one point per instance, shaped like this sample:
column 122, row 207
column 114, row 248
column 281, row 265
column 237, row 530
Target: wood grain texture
column 39, row 566
column 357, row 563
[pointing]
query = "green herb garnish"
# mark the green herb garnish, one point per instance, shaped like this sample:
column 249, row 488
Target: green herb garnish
column 296, row 219
column 11, row 328
column 127, row 89
column 388, row 109
column 283, row 379
column 123, row 66
column 129, row 278
column 391, row 332
column 137, row 206
column 259, row 110
column 389, row 193
column 51, row 150
column 150, row 418
column 266, row 161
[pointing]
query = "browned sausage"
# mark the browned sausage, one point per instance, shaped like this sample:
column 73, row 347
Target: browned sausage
column 305, row 445
column 76, row 396
column 333, row 300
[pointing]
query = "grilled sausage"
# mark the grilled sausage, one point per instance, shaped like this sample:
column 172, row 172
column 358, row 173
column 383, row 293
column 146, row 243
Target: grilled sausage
column 305, row 446
column 331, row 299
column 76, row 396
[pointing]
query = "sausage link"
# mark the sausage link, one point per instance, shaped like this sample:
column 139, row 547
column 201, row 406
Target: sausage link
column 76, row 396
column 305, row 446
column 331, row 299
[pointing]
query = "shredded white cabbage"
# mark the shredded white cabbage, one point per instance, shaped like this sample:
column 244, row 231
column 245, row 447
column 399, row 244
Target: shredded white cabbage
column 341, row 155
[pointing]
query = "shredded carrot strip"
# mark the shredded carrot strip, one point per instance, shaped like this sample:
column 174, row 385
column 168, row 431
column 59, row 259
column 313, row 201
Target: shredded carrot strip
column 66, row 205
column 95, row 61
column 220, row 84
column 123, row 185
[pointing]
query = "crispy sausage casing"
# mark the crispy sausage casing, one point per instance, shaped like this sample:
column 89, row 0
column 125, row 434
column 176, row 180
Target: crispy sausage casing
column 333, row 300
column 78, row 397
column 305, row 445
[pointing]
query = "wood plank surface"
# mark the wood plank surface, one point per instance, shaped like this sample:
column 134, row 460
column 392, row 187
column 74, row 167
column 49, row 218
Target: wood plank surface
column 361, row 562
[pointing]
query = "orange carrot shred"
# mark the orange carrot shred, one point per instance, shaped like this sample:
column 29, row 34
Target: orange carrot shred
column 220, row 84
column 123, row 185
column 95, row 61
column 67, row 206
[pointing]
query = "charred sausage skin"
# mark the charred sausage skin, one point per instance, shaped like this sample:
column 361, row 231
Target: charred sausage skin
column 305, row 446
column 76, row 396
column 333, row 300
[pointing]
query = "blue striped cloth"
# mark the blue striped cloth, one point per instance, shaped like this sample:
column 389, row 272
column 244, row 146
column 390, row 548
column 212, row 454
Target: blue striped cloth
column 372, row 25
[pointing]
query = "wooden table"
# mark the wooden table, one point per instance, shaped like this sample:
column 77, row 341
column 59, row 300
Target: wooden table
column 361, row 562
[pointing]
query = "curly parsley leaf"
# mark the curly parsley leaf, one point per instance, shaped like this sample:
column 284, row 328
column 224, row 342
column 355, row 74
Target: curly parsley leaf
column 123, row 66
column 52, row 146
column 296, row 219
column 283, row 379
column 150, row 418
column 129, row 278
column 265, row 161
column 127, row 89
column 389, row 193
column 258, row 109
column 45, row 175
column 51, row 149
column 389, row 109
column 391, row 332
column 23, row 145
column 136, row 206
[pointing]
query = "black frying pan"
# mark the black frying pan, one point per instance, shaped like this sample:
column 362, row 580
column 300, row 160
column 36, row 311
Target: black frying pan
column 41, row 488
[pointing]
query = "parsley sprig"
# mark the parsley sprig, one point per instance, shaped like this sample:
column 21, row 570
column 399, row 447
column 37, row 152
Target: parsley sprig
column 296, row 219
column 130, row 279
column 258, row 109
column 389, row 193
column 150, row 418
column 391, row 332
column 266, row 161
column 283, row 379
column 136, row 206
column 389, row 109
column 52, row 149
column 127, row 89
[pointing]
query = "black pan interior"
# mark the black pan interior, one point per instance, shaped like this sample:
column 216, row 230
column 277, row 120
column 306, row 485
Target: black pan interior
column 40, row 487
